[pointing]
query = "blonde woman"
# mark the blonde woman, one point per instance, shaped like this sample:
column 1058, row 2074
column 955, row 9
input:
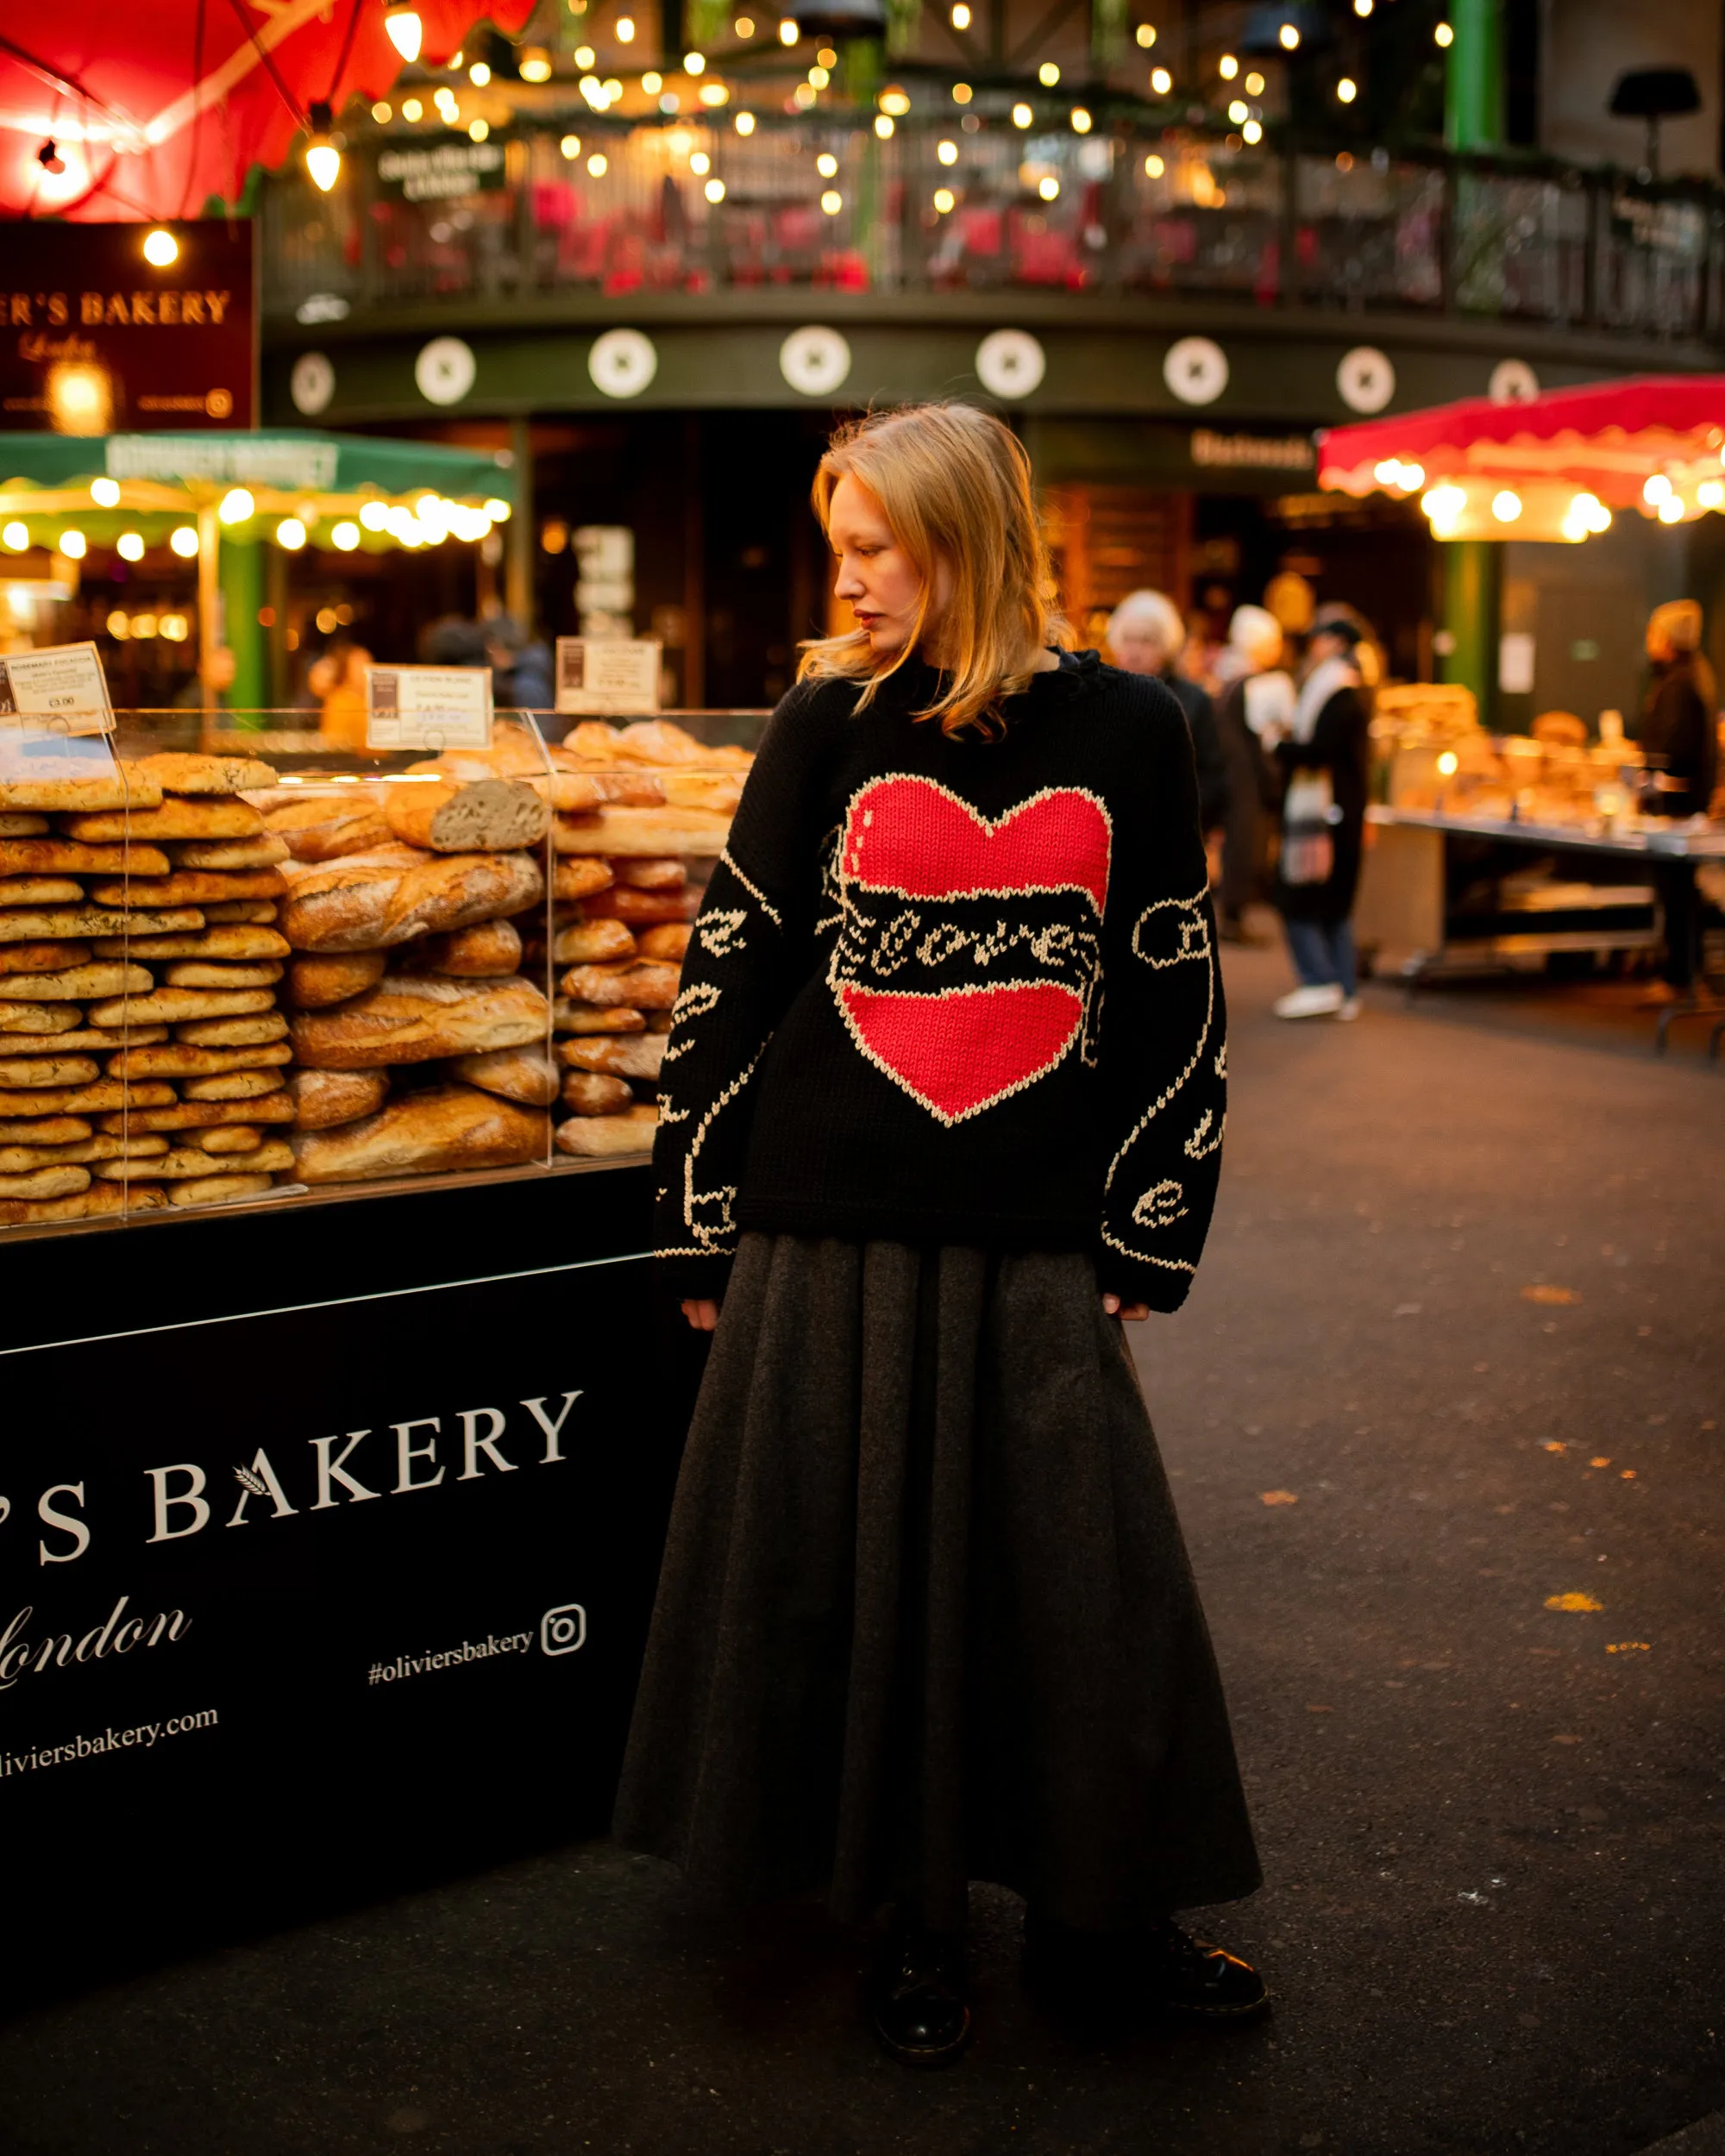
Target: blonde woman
column 942, row 1104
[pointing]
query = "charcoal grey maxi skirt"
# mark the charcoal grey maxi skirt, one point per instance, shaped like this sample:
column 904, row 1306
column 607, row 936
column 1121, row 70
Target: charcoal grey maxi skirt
column 925, row 1615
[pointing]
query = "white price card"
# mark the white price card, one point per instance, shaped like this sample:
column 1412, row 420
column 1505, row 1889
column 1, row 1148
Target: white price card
column 610, row 677
column 61, row 690
column 427, row 707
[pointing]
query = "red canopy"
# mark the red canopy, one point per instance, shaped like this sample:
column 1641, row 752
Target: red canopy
column 155, row 106
column 1607, row 437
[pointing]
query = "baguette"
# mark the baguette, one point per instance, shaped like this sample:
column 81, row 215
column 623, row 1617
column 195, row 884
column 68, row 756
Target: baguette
column 236, row 1032
column 45, row 1130
column 273, row 1153
column 594, row 1018
column 441, row 1128
column 643, row 872
column 458, row 816
column 99, row 790
column 312, row 983
column 644, row 831
column 155, row 818
column 76, row 983
column 193, row 1115
column 234, row 1085
column 18, row 1160
column 39, row 890
column 175, row 1060
column 321, row 1098
column 183, row 774
column 486, row 949
column 252, row 913
column 215, row 1190
column 527, row 1074
column 100, row 1200
column 643, row 986
column 171, row 1006
column 106, row 1093
column 639, row 1056
column 18, row 824
column 660, row 741
column 669, row 941
column 42, row 957
column 263, row 851
column 38, row 1018
column 720, row 791
column 191, row 887
column 46, row 1071
column 580, row 879
column 208, row 942
column 196, row 973
column 54, row 921
column 408, row 1020
column 396, row 894
column 595, row 943
column 642, row 907
column 65, row 857
column 600, row 1137
column 591, row 1092
column 316, row 828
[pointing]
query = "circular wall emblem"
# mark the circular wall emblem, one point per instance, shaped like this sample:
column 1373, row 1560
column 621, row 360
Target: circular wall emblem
column 623, row 362
column 445, row 371
column 312, row 383
column 1196, row 370
column 1365, row 379
column 219, row 404
column 1513, row 382
column 1010, row 364
column 814, row 361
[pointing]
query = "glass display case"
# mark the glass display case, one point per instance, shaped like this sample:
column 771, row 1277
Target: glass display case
column 243, row 964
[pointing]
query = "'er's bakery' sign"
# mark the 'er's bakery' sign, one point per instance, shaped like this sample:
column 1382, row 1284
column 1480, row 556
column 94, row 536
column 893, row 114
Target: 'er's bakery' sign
column 119, row 329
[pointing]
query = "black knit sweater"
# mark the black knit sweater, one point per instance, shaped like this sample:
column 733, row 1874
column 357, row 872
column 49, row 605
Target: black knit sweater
column 955, row 991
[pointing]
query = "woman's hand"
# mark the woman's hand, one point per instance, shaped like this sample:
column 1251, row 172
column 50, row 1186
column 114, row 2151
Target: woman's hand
column 703, row 1316
column 1132, row 1312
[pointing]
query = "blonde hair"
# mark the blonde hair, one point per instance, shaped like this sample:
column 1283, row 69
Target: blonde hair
column 955, row 484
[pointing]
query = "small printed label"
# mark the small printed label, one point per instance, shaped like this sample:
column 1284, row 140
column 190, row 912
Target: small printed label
column 60, row 690
column 427, row 707
column 610, row 677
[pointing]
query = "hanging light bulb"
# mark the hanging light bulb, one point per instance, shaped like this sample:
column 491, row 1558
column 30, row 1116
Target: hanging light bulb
column 323, row 159
column 161, row 247
column 105, row 493
column 235, row 505
column 406, row 31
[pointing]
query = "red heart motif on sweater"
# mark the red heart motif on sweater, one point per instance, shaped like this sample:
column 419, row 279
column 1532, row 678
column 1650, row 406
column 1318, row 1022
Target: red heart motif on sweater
column 960, row 1050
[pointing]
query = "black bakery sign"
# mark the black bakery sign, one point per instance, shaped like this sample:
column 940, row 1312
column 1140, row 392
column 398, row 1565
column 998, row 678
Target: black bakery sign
column 107, row 329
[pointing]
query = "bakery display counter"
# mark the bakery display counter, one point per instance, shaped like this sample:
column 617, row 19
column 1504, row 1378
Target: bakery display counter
column 248, row 966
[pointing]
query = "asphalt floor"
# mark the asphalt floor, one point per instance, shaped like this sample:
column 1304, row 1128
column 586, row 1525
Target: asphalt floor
column 1443, row 1416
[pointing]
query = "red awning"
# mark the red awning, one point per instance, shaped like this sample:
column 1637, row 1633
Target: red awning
column 1607, row 438
column 152, row 108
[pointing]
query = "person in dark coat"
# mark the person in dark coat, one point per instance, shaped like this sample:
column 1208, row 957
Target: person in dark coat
column 1259, row 696
column 1146, row 636
column 941, row 1103
column 1678, row 730
column 1321, row 755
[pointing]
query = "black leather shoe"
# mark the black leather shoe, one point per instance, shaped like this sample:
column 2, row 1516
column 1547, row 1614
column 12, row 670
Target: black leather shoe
column 1190, row 1975
column 918, row 1998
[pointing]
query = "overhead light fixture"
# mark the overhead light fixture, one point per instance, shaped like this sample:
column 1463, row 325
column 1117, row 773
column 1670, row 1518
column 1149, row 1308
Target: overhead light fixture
column 946, row 152
column 1238, row 111
column 1227, row 67
column 374, row 516
column 1145, row 35
column 960, row 17
column 498, row 510
column 291, row 533
column 15, row 537
column 745, row 123
column 714, row 191
column 1287, row 37
column 1161, row 81
column 788, row 31
column 323, row 159
column 479, row 74
column 235, row 505
column 883, row 126
column 405, row 30
column 1252, row 131
column 536, row 64
column 105, row 493
column 1022, row 115
column 943, row 200
column 571, row 147
column 961, row 93
column 826, row 165
column 1443, row 33
column 1506, row 506
column 184, row 540
column 1048, row 74
column 73, row 544
column 1048, row 188
column 1153, row 167
column 1347, row 89
column 129, row 545
column 895, row 100
column 345, row 536
column 1657, row 489
column 161, row 247
column 1082, row 122
column 1670, row 512
column 598, row 165
column 832, row 202
column 695, row 63
column 700, row 164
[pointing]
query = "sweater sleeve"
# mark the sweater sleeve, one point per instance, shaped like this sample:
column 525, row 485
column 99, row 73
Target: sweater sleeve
column 751, row 950
column 1163, row 1041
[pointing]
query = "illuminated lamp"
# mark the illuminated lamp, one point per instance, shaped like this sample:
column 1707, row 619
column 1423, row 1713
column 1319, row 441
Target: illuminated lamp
column 406, row 31
column 105, row 493
column 323, row 159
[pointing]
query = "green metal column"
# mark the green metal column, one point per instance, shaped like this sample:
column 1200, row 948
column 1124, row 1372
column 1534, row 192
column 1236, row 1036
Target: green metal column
column 1472, row 589
column 517, row 533
column 1473, row 93
column 242, row 595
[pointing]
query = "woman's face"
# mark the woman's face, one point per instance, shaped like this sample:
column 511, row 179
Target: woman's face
column 876, row 579
column 1137, row 648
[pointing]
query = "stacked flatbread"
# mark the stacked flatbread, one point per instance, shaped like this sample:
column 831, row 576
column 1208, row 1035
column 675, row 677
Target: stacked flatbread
column 634, row 806
column 142, row 1052
column 419, row 1040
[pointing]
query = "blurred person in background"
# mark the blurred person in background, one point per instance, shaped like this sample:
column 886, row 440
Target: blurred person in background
column 1678, row 726
column 1259, row 695
column 336, row 678
column 1320, row 754
column 1146, row 636
column 520, row 664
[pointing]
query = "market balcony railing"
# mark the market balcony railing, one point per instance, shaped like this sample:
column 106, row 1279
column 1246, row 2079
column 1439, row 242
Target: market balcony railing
column 617, row 208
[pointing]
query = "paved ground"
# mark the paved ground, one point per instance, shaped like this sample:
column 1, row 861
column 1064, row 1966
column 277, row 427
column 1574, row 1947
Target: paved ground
column 1443, row 1413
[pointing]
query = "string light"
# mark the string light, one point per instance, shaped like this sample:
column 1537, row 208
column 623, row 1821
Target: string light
column 1049, row 188
column 1048, row 74
column 290, row 533
column 1146, row 34
column 73, row 545
column 129, row 545
column 832, row 202
column 947, row 152
column 406, row 31
column 943, row 200
column 184, row 540
column 161, row 249
column 1227, row 67
column 1287, row 37
column 105, row 493
column 1443, row 33
column 1022, row 115
column 1161, row 81
column 1347, row 89
column 235, row 505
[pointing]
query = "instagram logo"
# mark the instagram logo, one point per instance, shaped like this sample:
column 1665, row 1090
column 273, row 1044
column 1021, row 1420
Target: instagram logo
column 563, row 1629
